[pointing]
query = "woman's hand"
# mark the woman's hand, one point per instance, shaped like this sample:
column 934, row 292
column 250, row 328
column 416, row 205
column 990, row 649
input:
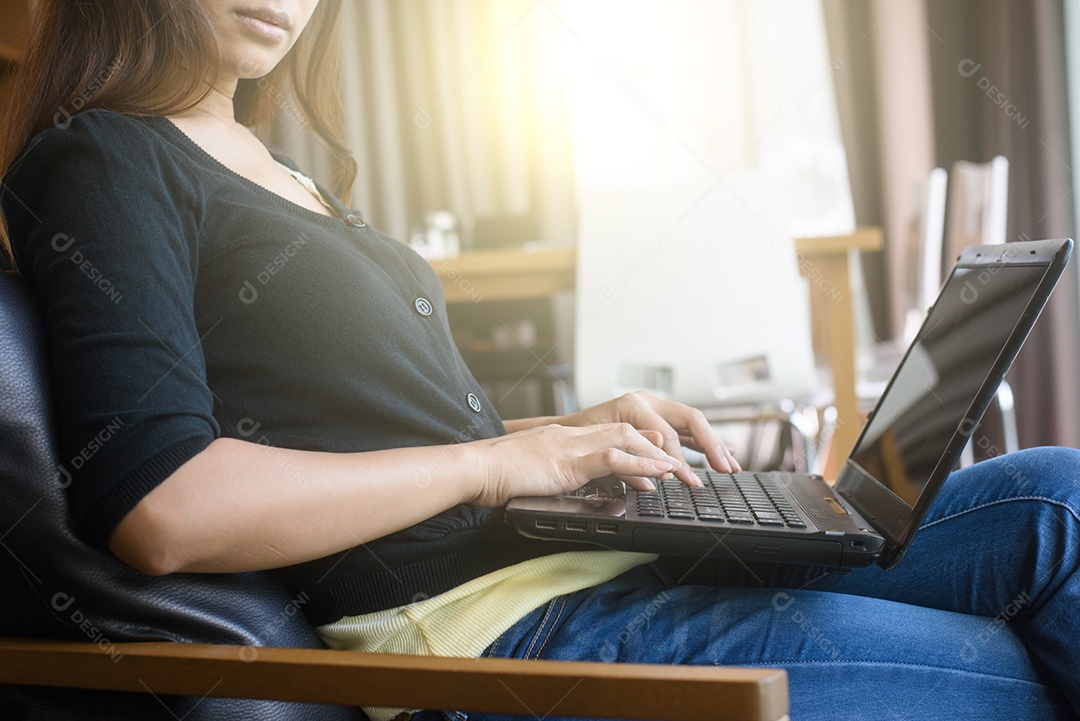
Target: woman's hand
column 553, row 459
column 678, row 425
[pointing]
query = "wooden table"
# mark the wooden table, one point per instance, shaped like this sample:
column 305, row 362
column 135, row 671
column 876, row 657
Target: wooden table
column 493, row 275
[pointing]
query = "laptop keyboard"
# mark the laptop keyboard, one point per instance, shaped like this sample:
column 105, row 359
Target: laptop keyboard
column 741, row 498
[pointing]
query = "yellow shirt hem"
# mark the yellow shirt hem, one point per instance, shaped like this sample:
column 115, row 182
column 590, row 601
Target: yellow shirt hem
column 465, row 620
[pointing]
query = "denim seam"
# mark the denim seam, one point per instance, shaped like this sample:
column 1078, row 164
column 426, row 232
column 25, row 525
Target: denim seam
column 547, row 615
column 494, row 646
column 1053, row 501
column 551, row 629
column 887, row 663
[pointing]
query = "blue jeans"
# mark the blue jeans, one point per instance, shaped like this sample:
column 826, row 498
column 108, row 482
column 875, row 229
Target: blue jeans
column 981, row 620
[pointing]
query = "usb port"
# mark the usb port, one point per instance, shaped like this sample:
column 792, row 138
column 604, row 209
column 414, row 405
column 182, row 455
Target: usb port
column 545, row 523
column 577, row 526
column 606, row 528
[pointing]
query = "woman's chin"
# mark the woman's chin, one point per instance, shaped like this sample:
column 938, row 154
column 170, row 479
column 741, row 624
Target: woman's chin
column 253, row 66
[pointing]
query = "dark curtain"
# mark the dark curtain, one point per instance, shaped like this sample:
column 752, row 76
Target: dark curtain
column 848, row 25
column 1015, row 51
column 999, row 87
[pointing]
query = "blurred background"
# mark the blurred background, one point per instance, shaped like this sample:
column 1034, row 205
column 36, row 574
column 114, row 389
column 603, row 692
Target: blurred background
column 616, row 192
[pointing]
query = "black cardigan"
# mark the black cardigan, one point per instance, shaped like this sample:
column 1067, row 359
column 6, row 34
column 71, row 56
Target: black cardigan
column 185, row 302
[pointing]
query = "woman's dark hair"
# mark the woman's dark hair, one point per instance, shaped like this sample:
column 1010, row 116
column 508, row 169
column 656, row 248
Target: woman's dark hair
column 159, row 57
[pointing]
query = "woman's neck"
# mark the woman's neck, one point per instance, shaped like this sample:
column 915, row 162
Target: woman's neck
column 218, row 104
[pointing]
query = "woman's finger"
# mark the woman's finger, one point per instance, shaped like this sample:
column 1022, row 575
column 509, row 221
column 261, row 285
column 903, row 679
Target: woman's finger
column 638, row 409
column 689, row 443
column 638, row 483
column 657, row 439
column 692, row 422
column 635, row 470
column 654, row 437
column 646, row 444
column 628, row 437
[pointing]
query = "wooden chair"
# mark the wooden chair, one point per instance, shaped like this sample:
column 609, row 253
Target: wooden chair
column 825, row 262
column 977, row 212
column 977, row 206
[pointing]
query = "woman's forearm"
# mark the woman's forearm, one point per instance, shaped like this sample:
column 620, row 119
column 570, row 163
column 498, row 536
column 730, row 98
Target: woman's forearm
column 241, row 506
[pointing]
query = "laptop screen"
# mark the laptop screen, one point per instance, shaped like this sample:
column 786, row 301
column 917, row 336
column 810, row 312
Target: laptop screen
column 933, row 389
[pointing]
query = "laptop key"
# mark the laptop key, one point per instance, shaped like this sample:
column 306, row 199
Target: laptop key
column 741, row 498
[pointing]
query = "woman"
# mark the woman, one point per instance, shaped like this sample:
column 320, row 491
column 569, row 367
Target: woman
column 283, row 393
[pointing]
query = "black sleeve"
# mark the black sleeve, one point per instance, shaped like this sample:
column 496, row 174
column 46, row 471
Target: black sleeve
column 107, row 232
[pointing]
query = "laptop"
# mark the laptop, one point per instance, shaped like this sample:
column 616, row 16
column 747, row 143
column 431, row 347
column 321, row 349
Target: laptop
column 909, row 444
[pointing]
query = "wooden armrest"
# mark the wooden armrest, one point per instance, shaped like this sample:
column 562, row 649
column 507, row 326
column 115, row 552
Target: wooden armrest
column 530, row 688
column 865, row 238
column 824, row 263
